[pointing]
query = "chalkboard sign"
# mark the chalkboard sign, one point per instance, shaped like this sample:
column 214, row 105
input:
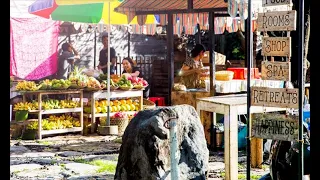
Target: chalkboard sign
column 275, row 126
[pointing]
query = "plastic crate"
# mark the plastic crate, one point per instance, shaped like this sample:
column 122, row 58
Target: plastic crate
column 241, row 73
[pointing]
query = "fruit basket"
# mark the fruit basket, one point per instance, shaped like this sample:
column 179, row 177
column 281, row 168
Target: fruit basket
column 125, row 88
column 147, row 104
column 75, row 86
column 139, row 87
column 224, row 75
column 121, row 120
column 114, row 87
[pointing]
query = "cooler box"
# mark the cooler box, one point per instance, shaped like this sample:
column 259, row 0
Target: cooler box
column 241, row 73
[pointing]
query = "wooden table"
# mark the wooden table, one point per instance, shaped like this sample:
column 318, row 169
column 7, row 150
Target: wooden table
column 232, row 106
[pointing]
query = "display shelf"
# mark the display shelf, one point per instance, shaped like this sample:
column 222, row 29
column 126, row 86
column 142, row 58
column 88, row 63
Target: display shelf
column 111, row 114
column 59, row 131
column 41, row 112
column 103, row 94
column 57, row 111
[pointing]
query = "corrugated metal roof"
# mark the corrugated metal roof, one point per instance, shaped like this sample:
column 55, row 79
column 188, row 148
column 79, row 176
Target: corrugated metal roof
column 156, row 5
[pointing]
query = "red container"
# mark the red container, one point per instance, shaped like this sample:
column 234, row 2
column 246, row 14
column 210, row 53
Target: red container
column 241, row 73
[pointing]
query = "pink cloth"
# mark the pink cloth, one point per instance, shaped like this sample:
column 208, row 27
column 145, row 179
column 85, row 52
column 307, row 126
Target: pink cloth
column 33, row 47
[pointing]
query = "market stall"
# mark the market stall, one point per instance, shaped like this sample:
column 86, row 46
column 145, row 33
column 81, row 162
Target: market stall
column 59, row 104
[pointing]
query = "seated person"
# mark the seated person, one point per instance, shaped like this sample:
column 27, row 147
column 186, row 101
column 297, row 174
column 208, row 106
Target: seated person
column 192, row 68
column 130, row 70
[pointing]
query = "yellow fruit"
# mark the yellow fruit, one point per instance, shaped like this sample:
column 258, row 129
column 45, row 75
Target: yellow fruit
column 123, row 107
column 137, row 108
column 116, row 102
column 98, row 109
column 114, row 109
column 118, row 108
column 129, row 101
column 128, row 107
column 132, row 107
column 111, row 103
column 104, row 109
column 123, row 101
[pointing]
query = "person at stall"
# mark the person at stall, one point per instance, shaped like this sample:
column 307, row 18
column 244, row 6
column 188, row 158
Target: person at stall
column 192, row 68
column 130, row 70
column 103, row 56
column 66, row 60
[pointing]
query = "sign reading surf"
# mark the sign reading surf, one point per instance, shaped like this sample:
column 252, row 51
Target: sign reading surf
column 277, row 21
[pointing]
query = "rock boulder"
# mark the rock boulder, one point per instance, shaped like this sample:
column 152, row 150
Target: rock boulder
column 145, row 150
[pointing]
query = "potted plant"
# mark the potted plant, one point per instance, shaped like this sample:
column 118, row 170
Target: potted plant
column 121, row 120
column 30, row 131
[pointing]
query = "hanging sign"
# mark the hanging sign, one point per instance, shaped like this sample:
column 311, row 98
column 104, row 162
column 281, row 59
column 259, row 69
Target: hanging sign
column 275, row 97
column 275, row 126
column 275, row 2
column 277, row 21
column 276, row 46
column 275, row 70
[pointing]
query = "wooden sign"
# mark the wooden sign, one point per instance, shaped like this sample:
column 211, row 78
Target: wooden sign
column 274, row 97
column 276, row 46
column 277, row 21
column 275, row 126
column 275, row 71
column 275, row 2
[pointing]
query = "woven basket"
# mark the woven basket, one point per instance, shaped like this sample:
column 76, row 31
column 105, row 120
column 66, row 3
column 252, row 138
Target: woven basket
column 224, row 75
column 122, row 124
column 147, row 104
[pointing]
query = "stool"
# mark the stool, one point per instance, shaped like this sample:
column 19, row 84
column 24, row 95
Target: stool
column 158, row 100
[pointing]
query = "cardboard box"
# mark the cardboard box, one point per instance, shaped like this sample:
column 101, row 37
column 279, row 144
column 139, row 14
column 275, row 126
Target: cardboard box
column 220, row 59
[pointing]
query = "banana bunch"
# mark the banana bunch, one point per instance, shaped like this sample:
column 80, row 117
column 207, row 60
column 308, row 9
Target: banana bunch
column 53, row 118
column 69, row 104
column 58, row 122
column 66, row 117
column 46, row 84
column 48, row 125
column 27, row 106
column 76, row 123
column 50, row 104
column 27, row 86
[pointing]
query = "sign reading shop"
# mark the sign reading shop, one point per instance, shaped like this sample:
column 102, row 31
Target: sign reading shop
column 276, row 46
column 277, row 21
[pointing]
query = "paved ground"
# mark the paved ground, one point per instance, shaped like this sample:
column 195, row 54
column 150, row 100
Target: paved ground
column 75, row 157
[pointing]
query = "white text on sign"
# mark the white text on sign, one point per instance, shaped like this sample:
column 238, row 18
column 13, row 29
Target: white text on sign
column 277, row 21
column 275, row 70
column 275, row 2
column 276, row 46
column 274, row 97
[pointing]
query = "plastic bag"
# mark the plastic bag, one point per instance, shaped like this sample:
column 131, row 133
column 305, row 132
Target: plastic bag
column 92, row 72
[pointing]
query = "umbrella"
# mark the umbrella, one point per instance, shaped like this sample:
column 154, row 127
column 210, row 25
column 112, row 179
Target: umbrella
column 85, row 11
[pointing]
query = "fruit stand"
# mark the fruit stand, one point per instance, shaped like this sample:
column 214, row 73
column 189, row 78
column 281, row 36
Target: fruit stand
column 66, row 97
column 130, row 102
column 42, row 109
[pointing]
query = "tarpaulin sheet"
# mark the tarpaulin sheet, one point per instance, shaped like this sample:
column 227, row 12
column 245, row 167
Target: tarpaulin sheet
column 33, row 47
